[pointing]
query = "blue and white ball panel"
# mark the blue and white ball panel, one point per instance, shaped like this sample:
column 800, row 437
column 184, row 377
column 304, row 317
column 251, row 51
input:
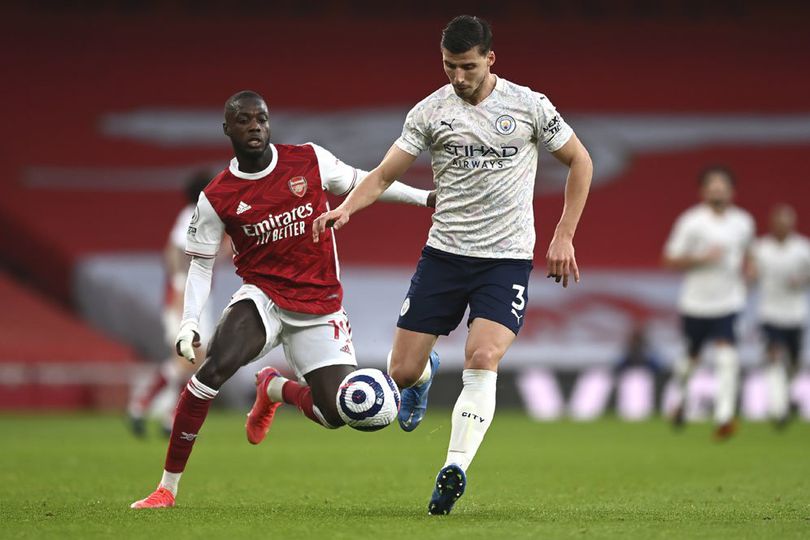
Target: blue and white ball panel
column 368, row 400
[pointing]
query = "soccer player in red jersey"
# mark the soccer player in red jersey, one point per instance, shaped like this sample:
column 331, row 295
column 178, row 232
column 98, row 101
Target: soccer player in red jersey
column 266, row 201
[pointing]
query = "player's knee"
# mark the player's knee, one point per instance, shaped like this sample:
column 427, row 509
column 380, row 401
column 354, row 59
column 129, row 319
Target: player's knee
column 216, row 370
column 404, row 376
column 211, row 377
column 484, row 358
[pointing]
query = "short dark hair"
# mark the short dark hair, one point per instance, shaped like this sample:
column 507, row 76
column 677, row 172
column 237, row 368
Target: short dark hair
column 717, row 169
column 465, row 32
column 230, row 105
column 195, row 184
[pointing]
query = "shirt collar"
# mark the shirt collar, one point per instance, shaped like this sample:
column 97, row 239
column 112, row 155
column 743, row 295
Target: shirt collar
column 234, row 168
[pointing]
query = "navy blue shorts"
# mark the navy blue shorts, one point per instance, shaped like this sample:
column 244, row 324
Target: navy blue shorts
column 699, row 330
column 790, row 338
column 445, row 284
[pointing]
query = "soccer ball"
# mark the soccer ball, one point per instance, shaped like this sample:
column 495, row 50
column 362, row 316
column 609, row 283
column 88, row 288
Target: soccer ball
column 368, row 399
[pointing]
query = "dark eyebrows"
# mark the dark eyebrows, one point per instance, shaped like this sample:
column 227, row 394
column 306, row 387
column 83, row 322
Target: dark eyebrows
column 470, row 65
column 244, row 114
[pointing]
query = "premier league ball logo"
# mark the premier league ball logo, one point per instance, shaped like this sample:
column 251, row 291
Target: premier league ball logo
column 505, row 124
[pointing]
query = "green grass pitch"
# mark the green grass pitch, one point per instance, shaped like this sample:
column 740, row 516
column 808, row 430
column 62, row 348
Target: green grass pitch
column 74, row 476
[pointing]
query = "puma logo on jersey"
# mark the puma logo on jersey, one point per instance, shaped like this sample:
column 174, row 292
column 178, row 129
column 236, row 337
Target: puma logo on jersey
column 448, row 124
column 518, row 317
column 242, row 208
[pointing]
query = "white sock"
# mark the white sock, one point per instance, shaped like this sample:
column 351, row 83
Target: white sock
column 681, row 372
column 171, row 372
column 423, row 378
column 777, row 380
column 274, row 388
column 727, row 366
column 472, row 416
column 170, row 481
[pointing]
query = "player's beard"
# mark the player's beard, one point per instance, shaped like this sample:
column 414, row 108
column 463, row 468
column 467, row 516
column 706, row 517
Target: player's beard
column 462, row 92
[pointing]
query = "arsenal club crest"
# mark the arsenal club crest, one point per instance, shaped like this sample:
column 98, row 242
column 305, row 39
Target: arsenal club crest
column 298, row 186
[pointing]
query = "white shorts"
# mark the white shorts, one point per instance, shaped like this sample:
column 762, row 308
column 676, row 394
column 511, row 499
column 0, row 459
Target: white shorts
column 310, row 341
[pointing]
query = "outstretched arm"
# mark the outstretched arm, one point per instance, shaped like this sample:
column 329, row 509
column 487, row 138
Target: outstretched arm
column 403, row 193
column 393, row 165
column 560, row 258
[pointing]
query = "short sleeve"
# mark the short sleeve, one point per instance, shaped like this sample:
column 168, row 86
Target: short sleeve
column 205, row 230
column 551, row 130
column 177, row 237
column 415, row 137
column 757, row 252
column 751, row 229
column 336, row 177
column 678, row 242
column 805, row 257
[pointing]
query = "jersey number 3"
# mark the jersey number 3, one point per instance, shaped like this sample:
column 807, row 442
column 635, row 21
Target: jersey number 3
column 519, row 303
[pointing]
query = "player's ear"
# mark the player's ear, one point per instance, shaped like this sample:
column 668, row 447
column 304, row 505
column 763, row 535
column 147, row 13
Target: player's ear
column 490, row 58
column 225, row 129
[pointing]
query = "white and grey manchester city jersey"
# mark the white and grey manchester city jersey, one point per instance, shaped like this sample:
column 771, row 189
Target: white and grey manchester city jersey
column 714, row 289
column 484, row 160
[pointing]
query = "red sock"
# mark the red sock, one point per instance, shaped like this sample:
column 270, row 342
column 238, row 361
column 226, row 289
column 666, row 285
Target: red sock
column 158, row 383
column 189, row 417
column 300, row 396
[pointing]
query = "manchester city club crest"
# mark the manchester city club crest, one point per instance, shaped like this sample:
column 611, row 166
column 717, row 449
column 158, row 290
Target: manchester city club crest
column 298, row 186
column 505, row 124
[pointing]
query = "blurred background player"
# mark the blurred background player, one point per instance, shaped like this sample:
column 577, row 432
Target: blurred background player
column 710, row 243
column 266, row 200
column 175, row 371
column 782, row 268
column 483, row 133
column 638, row 353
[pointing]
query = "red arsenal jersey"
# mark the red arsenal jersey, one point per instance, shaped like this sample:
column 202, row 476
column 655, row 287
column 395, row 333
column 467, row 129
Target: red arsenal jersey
column 269, row 216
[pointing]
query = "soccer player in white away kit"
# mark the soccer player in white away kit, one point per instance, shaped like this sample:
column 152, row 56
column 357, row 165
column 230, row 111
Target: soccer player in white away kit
column 710, row 243
column 175, row 371
column 482, row 133
column 782, row 267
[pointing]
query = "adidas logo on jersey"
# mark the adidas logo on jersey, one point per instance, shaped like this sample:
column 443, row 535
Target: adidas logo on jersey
column 243, row 207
